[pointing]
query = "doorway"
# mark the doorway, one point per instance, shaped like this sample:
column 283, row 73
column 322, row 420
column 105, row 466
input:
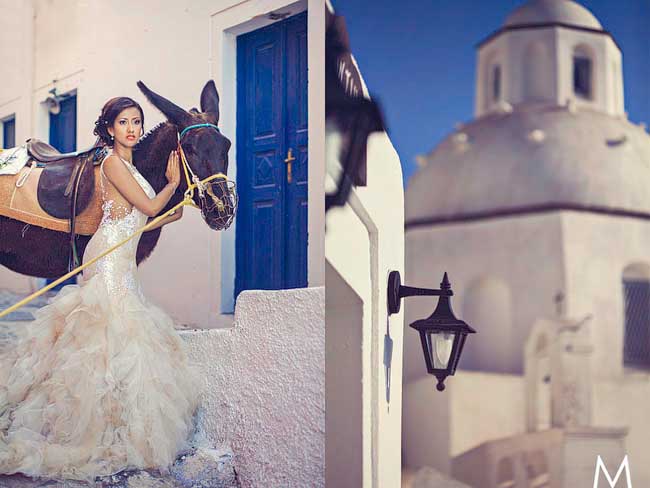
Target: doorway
column 271, row 234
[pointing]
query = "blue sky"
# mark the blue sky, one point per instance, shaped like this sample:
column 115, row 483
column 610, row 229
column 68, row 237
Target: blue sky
column 418, row 60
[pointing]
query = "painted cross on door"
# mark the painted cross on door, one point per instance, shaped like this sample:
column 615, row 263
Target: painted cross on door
column 271, row 236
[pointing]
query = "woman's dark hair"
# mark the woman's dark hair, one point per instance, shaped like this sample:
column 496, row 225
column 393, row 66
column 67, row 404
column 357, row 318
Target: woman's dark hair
column 110, row 111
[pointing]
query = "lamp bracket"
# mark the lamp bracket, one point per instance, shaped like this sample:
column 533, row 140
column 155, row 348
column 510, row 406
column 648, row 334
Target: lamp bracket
column 396, row 291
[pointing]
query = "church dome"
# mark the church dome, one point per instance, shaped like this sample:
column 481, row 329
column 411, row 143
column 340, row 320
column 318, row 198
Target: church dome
column 535, row 157
column 552, row 11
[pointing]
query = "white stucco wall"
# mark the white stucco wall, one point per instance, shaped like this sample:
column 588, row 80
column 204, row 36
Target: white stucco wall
column 264, row 382
column 524, row 254
column 346, row 406
column 440, row 425
column 16, row 72
column 363, row 243
column 626, row 404
column 510, row 49
column 579, row 253
column 597, row 250
column 103, row 50
column 535, row 256
column 480, row 407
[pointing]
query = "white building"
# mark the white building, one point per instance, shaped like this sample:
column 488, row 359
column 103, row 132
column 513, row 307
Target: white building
column 92, row 50
column 539, row 211
column 364, row 242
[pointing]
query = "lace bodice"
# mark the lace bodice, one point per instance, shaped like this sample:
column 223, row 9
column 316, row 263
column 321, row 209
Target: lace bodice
column 119, row 267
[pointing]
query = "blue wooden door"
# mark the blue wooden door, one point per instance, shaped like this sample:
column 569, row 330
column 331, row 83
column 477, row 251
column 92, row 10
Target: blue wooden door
column 63, row 126
column 271, row 237
column 9, row 133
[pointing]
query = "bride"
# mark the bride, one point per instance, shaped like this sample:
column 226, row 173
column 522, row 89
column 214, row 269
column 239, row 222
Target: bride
column 100, row 382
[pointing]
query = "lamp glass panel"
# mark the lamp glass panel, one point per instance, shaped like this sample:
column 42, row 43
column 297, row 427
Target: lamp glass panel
column 440, row 347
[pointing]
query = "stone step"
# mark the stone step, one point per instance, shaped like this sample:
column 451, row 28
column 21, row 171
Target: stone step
column 8, row 298
column 198, row 468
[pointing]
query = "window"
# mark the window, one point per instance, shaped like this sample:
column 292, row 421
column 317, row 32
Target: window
column 582, row 76
column 63, row 126
column 9, row 132
column 636, row 289
column 496, row 83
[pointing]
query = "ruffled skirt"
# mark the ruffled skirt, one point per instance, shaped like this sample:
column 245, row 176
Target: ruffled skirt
column 96, row 384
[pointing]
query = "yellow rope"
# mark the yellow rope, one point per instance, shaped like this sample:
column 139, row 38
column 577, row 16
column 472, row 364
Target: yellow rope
column 85, row 265
column 187, row 200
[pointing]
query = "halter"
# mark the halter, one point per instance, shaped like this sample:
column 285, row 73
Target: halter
column 196, row 126
column 194, row 182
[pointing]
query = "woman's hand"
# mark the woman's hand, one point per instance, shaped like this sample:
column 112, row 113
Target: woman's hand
column 173, row 171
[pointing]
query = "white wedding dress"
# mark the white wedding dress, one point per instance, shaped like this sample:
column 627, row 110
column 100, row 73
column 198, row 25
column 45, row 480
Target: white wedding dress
column 99, row 382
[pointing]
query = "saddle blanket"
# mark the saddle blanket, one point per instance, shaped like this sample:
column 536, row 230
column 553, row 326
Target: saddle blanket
column 12, row 160
column 21, row 203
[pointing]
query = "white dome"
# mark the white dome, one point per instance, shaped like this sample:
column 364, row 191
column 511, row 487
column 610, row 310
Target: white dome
column 552, row 11
column 536, row 156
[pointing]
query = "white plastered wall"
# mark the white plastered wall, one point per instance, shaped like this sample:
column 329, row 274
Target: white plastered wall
column 471, row 410
column 16, row 72
column 364, row 242
column 508, row 250
column 598, row 249
column 510, row 48
column 489, row 55
column 604, row 52
column 579, row 253
column 103, row 50
column 264, row 387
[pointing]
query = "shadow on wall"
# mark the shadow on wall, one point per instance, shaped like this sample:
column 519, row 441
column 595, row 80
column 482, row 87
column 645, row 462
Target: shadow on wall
column 487, row 303
column 343, row 382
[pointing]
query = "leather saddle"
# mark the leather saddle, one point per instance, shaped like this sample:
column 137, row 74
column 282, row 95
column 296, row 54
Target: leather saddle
column 44, row 153
column 67, row 183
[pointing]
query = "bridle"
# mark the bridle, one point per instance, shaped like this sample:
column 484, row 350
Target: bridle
column 194, row 181
column 224, row 205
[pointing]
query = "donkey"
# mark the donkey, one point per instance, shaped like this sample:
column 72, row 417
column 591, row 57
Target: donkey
column 40, row 252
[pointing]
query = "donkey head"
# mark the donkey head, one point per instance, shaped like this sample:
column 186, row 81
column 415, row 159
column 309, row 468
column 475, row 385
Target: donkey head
column 206, row 150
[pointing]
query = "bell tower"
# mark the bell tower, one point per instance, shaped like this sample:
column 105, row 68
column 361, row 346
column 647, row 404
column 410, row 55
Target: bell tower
column 549, row 51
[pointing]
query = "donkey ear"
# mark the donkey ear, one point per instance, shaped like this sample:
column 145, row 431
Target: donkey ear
column 175, row 114
column 210, row 101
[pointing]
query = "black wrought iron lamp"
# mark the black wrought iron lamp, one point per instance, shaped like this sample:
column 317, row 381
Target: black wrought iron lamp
column 442, row 334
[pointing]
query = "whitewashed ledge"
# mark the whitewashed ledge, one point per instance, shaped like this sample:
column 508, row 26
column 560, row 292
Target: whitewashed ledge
column 261, row 422
column 264, row 387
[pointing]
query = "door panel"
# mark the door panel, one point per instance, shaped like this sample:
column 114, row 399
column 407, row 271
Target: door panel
column 271, row 236
column 296, row 190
